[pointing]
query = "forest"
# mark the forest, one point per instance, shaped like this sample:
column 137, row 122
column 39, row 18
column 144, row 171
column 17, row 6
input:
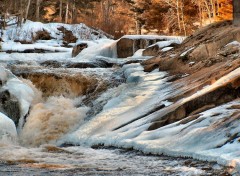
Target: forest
column 120, row 17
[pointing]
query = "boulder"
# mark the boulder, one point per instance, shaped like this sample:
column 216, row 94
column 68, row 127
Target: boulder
column 78, row 49
column 126, row 47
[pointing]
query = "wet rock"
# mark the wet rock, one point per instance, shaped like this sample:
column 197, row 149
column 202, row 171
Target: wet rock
column 9, row 106
column 78, row 49
column 80, row 65
column 51, row 63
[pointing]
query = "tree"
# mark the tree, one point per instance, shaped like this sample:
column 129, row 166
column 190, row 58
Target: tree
column 37, row 10
column 236, row 12
column 27, row 9
column 138, row 9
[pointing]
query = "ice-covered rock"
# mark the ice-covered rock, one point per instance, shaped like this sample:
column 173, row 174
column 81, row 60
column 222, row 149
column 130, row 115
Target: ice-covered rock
column 8, row 132
column 16, row 97
column 129, row 44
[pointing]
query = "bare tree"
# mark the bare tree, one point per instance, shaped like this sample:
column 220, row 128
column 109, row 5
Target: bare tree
column 37, row 9
column 236, row 12
column 67, row 11
column 27, row 9
column 60, row 10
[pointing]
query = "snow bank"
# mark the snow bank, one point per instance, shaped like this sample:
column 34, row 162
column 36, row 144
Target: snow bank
column 29, row 30
column 18, row 47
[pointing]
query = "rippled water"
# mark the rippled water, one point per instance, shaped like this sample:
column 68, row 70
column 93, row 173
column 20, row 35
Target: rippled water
column 51, row 160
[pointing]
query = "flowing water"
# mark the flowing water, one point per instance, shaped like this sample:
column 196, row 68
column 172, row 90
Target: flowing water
column 51, row 160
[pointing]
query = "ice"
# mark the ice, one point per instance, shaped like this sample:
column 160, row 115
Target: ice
column 122, row 124
column 159, row 37
column 103, row 47
column 166, row 49
column 21, row 91
column 138, row 53
column 18, row 47
column 233, row 43
column 8, row 132
column 185, row 52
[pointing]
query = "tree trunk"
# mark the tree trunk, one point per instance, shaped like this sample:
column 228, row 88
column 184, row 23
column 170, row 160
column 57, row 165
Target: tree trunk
column 236, row 12
column 178, row 16
column 27, row 10
column 66, row 15
column 60, row 10
column 37, row 9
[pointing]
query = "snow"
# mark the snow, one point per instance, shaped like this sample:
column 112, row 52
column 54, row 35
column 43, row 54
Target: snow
column 18, row 47
column 29, row 29
column 154, row 37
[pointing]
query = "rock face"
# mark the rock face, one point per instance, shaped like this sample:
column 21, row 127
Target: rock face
column 78, row 48
column 126, row 47
column 9, row 106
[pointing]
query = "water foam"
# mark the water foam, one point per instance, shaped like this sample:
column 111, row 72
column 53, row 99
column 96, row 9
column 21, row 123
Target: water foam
column 49, row 121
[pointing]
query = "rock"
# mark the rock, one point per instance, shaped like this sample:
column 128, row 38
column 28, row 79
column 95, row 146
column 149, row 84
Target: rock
column 80, row 65
column 154, row 50
column 126, row 47
column 51, row 63
column 9, row 106
column 68, row 36
column 151, row 51
column 78, row 49
column 97, row 64
column 42, row 35
column 150, row 67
